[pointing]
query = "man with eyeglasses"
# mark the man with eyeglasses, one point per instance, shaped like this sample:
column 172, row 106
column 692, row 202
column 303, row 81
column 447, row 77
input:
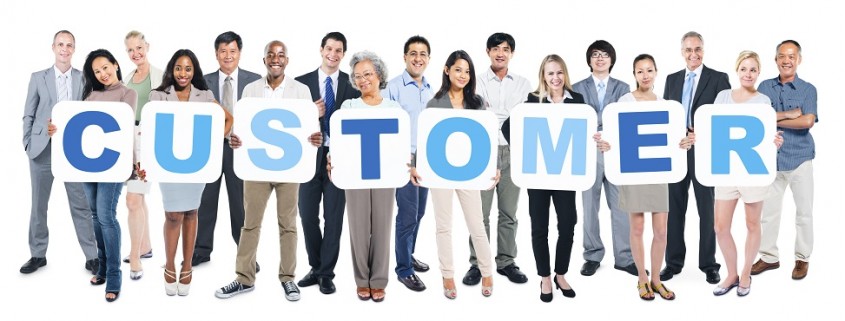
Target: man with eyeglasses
column 412, row 91
column 503, row 90
column 694, row 86
column 600, row 90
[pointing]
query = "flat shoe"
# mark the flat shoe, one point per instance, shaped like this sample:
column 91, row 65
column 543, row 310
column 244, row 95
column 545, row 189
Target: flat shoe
column 143, row 256
column 136, row 275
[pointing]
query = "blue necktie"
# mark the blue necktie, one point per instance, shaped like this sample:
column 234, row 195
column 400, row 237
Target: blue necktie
column 686, row 99
column 329, row 100
column 601, row 93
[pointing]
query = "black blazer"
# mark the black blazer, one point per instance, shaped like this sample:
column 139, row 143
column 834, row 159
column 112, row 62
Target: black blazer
column 709, row 85
column 244, row 78
column 576, row 99
column 344, row 91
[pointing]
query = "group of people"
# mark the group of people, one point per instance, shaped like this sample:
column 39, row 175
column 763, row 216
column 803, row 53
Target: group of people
column 191, row 208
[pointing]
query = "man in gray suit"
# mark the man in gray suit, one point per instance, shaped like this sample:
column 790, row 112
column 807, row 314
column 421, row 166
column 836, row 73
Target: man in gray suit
column 223, row 83
column 600, row 90
column 46, row 88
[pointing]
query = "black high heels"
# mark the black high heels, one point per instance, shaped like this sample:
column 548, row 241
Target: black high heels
column 569, row 293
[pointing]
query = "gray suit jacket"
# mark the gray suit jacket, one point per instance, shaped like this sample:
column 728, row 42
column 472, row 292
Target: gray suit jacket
column 40, row 99
column 244, row 78
column 615, row 90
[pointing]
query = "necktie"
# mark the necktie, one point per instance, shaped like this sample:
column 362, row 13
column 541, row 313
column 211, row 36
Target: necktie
column 228, row 99
column 62, row 90
column 329, row 100
column 601, row 93
column 686, row 99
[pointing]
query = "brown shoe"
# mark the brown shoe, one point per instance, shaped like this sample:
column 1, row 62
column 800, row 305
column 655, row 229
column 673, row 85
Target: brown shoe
column 800, row 270
column 761, row 266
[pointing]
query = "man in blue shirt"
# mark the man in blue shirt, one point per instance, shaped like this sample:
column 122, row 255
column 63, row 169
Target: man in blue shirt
column 795, row 101
column 413, row 92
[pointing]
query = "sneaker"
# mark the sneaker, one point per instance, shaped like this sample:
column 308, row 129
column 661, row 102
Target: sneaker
column 291, row 291
column 232, row 289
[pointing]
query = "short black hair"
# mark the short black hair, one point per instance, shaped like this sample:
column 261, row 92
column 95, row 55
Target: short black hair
column 789, row 41
column 500, row 37
column 416, row 39
column 601, row 45
column 227, row 37
column 336, row 36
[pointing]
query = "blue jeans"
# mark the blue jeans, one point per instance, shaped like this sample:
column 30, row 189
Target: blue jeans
column 103, row 197
column 411, row 202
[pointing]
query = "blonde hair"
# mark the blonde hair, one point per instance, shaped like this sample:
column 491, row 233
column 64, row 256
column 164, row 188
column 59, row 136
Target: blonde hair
column 747, row 54
column 543, row 88
column 135, row 34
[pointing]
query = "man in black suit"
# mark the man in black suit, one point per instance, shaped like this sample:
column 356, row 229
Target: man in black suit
column 329, row 87
column 222, row 83
column 694, row 86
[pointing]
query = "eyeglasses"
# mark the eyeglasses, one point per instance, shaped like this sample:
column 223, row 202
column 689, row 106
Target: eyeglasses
column 367, row 75
column 602, row 54
column 414, row 54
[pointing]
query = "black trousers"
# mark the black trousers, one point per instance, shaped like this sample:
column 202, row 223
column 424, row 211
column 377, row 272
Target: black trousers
column 539, row 202
column 678, row 198
column 323, row 247
column 207, row 215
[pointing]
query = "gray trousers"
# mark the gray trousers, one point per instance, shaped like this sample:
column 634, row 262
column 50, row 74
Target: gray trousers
column 507, row 194
column 370, row 215
column 619, row 222
column 41, row 179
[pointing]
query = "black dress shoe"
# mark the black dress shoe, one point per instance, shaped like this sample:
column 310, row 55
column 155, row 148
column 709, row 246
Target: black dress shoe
column 326, row 285
column 545, row 297
column 713, row 276
column 630, row 268
column 92, row 265
column 308, row 280
column 513, row 273
column 419, row 266
column 33, row 264
column 257, row 267
column 199, row 259
column 589, row 268
column 667, row 273
column 412, row 282
column 473, row 276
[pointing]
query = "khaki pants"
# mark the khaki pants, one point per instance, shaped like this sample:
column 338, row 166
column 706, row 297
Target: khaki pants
column 800, row 180
column 470, row 201
column 256, row 195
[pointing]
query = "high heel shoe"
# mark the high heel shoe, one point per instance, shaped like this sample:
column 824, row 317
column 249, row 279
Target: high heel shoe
column 183, row 288
column 450, row 293
column 170, row 288
column 545, row 297
column 487, row 290
column 136, row 275
column 569, row 293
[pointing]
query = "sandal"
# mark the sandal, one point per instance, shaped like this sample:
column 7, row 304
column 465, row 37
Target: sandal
column 98, row 280
column 487, row 290
column 450, row 293
column 645, row 291
column 170, row 288
column 112, row 299
column 663, row 291
column 378, row 295
column 364, row 294
column 184, row 288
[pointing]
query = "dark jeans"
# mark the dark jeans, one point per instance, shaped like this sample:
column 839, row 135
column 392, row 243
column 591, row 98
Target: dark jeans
column 103, row 198
column 411, row 202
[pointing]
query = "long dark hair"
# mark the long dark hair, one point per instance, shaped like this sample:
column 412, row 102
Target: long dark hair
column 167, row 79
column 471, row 100
column 643, row 57
column 91, row 81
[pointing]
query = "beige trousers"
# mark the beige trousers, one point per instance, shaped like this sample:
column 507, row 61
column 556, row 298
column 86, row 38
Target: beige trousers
column 470, row 201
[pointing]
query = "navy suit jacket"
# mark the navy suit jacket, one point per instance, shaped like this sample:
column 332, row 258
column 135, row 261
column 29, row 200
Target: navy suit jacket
column 709, row 85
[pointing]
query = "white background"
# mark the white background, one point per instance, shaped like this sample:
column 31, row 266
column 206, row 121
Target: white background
column 61, row 289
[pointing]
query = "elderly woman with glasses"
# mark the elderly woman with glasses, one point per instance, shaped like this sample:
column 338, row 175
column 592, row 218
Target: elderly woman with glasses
column 370, row 211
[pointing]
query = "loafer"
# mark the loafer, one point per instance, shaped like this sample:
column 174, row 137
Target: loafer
column 413, row 283
column 326, row 285
column 308, row 280
column 762, row 266
column 667, row 273
column 33, row 264
column 589, row 268
column 473, row 276
column 513, row 273
column 720, row 291
column 712, row 276
column 92, row 265
column 800, row 270
column 418, row 265
column 199, row 259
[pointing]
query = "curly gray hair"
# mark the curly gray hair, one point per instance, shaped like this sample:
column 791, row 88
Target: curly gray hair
column 380, row 66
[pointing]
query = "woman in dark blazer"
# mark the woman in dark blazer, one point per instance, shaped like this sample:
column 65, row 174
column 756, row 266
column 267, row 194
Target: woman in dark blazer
column 554, row 88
